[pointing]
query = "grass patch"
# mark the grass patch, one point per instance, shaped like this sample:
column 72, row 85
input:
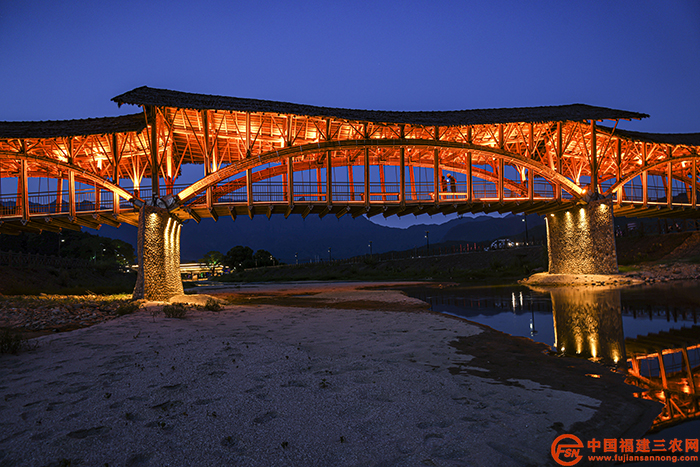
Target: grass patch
column 493, row 266
column 650, row 248
column 13, row 342
column 175, row 310
column 212, row 305
column 33, row 281
column 127, row 307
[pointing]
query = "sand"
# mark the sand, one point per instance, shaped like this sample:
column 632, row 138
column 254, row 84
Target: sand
column 274, row 385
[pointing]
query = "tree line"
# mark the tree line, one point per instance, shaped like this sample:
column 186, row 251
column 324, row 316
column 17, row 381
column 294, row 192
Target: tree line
column 71, row 244
column 239, row 258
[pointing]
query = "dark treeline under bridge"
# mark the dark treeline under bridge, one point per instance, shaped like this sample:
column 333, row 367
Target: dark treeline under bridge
column 247, row 157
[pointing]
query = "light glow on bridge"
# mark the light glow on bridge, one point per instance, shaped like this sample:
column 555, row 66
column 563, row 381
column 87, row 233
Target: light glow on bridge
column 264, row 158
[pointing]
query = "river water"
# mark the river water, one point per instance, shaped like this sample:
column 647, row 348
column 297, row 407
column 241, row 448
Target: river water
column 621, row 327
column 521, row 311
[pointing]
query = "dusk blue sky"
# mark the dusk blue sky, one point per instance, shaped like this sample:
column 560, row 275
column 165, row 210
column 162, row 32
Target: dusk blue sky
column 67, row 59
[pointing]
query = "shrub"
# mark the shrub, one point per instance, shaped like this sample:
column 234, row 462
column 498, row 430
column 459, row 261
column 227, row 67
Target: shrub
column 175, row 310
column 212, row 305
column 126, row 307
column 12, row 342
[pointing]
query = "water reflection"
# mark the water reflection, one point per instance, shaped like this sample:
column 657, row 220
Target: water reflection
column 667, row 366
column 647, row 331
column 588, row 323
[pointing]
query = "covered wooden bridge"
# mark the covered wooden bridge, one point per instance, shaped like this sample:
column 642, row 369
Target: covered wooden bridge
column 189, row 156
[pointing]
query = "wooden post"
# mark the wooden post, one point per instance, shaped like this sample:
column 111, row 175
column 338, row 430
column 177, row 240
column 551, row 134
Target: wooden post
column 71, row 195
column 530, row 172
column 116, row 157
column 25, row 185
column 436, row 175
column 382, row 186
column 635, row 367
column 436, row 169
column 365, row 135
column 669, row 182
column 501, row 167
column 645, row 194
column 59, row 194
column 688, row 370
column 115, row 203
column 170, row 176
column 366, row 177
column 155, row 164
column 329, row 168
column 618, row 170
column 470, row 178
column 247, row 134
column 694, row 183
column 662, row 369
column 412, row 181
column 560, row 152
column 351, row 181
column 594, row 159
column 402, row 168
column 329, row 179
column 290, row 181
column 71, row 182
column 287, row 141
column 98, row 197
column 207, row 155
column 319, row 186
column 249, row 187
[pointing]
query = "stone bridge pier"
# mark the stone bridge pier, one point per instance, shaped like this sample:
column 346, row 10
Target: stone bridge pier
column 582, row 240
column 158, row 255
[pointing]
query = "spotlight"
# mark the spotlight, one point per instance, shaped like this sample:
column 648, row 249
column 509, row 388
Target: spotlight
column 170, row 202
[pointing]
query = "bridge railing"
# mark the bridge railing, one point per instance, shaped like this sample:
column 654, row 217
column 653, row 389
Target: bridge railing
column 389, row 191
column 48, row 202
column 9, row 205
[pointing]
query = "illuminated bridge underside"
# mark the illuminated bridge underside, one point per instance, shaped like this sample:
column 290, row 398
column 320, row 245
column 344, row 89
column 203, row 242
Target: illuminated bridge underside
column 254, row 157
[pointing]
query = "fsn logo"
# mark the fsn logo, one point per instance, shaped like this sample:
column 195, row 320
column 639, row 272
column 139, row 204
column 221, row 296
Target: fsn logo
column 566, row 450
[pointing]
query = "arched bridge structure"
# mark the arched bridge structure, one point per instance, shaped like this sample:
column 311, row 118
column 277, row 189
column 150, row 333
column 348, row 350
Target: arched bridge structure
column 189, row 156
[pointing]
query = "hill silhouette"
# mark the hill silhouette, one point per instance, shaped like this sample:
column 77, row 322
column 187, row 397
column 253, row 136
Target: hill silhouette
column 309, row 239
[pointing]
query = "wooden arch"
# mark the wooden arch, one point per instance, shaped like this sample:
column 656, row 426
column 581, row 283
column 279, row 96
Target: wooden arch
column 96, row 179
column 644, row 168
column 281, row 154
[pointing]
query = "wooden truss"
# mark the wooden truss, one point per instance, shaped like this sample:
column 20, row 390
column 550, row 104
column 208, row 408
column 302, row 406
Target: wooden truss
column 260, row 163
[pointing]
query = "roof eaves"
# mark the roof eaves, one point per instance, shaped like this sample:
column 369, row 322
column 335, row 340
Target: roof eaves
column 66, row 128
column 574, row 112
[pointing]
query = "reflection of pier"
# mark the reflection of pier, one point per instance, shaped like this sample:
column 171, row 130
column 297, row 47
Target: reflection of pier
column 667, row 366
column 587, row 322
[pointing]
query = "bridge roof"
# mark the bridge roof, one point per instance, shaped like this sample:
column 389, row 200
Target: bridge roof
column 176, row 99
column 676, row 139
column 82, row 127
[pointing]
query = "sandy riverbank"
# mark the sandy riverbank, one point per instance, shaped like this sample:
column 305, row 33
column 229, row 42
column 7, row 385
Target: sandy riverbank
column 308, row 380
column 645, row 274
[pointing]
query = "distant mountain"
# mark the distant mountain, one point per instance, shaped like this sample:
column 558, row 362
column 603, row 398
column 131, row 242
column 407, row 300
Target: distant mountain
column 309, row 239
column 485, row 228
